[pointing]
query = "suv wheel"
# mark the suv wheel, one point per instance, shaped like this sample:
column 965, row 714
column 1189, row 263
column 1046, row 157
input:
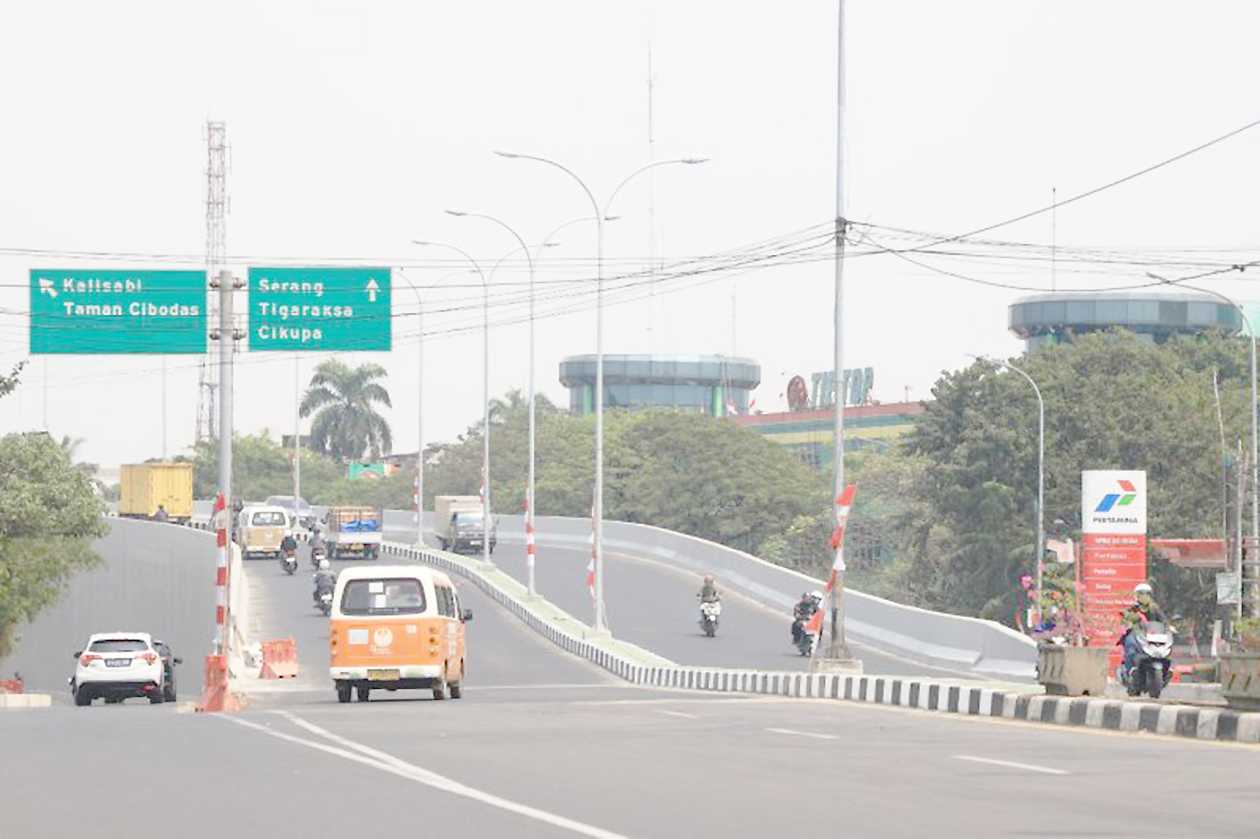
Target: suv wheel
column 82, row 697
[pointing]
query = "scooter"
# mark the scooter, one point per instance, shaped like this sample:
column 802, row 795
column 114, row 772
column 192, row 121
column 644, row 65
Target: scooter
column 709, row 611
column 289, row 562
column 1152, row 666
column 318, row 552
column 324, row 603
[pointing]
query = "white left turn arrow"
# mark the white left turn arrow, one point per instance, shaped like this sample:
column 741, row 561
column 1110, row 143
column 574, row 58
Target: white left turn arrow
column 46, row 287
column 372, row 288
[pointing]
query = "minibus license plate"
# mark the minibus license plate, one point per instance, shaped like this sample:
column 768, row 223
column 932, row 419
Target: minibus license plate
column 383, row 675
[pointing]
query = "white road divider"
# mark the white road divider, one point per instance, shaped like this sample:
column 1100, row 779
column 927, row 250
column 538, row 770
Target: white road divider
column 640, row 667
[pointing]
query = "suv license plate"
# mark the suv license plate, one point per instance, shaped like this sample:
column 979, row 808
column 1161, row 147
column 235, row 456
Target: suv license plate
column 117, row 662
column 383, row 675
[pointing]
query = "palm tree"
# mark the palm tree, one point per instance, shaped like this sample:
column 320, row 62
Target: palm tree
column 344, row 401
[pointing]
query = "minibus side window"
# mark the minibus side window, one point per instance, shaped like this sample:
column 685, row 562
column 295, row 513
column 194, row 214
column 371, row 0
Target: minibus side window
column 446, row 606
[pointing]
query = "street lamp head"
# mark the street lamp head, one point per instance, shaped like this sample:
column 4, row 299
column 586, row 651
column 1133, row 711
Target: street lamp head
column 506, row 154
column 611, row 218
column 457, row 213
column 422, row 243
column 694, row 161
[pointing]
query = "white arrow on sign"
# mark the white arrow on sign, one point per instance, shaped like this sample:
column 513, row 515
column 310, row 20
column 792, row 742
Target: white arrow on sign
column 372, row 288
column 46, row 287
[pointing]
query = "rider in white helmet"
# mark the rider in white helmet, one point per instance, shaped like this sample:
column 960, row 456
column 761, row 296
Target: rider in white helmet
column 325, row 579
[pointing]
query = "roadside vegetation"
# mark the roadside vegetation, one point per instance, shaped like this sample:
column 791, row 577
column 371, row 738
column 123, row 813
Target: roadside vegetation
column 49, row 515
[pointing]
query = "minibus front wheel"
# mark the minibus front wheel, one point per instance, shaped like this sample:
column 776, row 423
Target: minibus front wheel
column 343, row 692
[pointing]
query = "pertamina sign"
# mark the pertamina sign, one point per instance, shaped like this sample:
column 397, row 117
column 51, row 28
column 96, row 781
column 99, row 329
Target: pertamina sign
column 1113, row 560
column 319, row 309
column 91, row 311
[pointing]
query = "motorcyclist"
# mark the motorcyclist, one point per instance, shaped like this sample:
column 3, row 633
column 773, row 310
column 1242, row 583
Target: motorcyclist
column 708, row 590
column 317, row 539
column 288, row 544
column 325, row 579
column 1143, row 610
column 810, row 602
column 161, row 515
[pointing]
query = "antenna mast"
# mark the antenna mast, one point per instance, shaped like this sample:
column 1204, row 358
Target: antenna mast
column 216, row 255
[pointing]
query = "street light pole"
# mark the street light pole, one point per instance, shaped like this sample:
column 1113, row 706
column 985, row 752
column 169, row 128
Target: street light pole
column 485, row 394
column 1041, row 472
column 419, row 411
column 1255, row 424
column 839, row 645
column 597, row 508
column 529, row 488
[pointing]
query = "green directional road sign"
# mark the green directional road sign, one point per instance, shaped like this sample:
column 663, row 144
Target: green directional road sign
column 110, row 311
column 319, row 309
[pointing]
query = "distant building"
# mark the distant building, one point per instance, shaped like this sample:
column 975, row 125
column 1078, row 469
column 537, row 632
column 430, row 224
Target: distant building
column 810, row 433
column 1042, row 319
column 709, row 384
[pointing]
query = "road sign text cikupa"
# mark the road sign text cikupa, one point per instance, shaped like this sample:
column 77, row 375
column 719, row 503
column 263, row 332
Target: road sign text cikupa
column 312, row 309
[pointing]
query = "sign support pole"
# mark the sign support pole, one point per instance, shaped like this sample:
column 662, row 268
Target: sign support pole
column 227, row 349
column 297, row 430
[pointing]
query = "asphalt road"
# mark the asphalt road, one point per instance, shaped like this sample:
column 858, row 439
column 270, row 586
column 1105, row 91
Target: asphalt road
column 654, row 605
column 543, row 744
column 154, row 578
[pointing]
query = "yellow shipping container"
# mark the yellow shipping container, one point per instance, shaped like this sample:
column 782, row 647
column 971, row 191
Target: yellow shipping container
column 146, row 485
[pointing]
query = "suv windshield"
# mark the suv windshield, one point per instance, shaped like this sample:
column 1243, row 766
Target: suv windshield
column 118, row 645
column 383, row 597
column 268, row 518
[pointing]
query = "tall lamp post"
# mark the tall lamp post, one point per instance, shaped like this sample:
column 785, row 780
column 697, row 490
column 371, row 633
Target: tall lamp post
column 1255, row 422
column 597, row 509
column 529, row 488
column 419, row 410
column 1041, row 471
column 485, row 392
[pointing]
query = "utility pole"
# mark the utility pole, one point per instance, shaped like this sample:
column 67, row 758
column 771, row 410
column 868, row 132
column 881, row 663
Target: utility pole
column 227, row 337
column 163, row 408
column 297, row 430
column 839, row 648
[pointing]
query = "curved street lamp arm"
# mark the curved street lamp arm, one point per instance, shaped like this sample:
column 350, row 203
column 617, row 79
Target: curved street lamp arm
column 523, row 247
column 561, row 167
column 465, row 254
column 641, row 170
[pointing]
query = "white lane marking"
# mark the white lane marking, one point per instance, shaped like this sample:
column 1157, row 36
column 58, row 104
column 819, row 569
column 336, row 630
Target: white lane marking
column 394, row 766
column 677, row 714
column 796, row 733
column 576, row 685
column 1010, row 764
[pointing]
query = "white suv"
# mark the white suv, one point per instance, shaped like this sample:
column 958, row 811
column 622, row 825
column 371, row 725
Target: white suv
column 116, row 665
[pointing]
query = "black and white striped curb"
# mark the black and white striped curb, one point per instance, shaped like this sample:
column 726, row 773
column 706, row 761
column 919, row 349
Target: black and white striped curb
column 922, row 694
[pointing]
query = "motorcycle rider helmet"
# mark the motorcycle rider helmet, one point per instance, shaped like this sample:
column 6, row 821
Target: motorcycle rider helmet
column 323, row 565
column 816, row 595
column 708, row 578
column 1143, row 588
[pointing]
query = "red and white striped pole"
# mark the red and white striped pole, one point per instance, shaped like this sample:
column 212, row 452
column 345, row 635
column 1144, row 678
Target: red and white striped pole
column 221, row 639
column 529, row 541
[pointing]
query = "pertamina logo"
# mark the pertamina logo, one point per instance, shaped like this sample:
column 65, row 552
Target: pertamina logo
column 1117, row 499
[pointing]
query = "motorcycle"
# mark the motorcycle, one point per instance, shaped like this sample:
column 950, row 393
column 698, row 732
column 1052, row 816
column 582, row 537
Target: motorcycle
column 1151, row 669
column 709, row 611
column 803, row 640
column 289, row 562
column 324, row 603
column 318, row 552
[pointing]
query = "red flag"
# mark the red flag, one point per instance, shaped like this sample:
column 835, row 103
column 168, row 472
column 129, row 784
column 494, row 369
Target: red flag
column 844, row 501
column 814, row 625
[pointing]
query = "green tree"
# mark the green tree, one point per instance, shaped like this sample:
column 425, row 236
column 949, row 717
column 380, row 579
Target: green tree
column 262, row 467
column 1112, row 401
column 48, row 518
column 344, row 402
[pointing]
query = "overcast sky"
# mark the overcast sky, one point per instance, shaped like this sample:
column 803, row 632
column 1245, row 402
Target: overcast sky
column 352, row 126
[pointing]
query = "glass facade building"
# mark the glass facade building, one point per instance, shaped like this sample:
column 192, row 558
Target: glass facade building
column 709, row 384
column 1053, row 318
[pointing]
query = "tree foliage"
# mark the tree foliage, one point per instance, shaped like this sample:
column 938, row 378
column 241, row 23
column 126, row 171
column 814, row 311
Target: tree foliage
column 343, row 401
column 48, row 518
column 1112, row 401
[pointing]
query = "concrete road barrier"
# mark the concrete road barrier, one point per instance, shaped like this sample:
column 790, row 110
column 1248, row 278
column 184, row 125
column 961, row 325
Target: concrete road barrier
column 21, row 701
column 640, row 667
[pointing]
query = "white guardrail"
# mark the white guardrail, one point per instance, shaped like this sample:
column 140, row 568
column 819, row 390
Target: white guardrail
column 955, row 642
